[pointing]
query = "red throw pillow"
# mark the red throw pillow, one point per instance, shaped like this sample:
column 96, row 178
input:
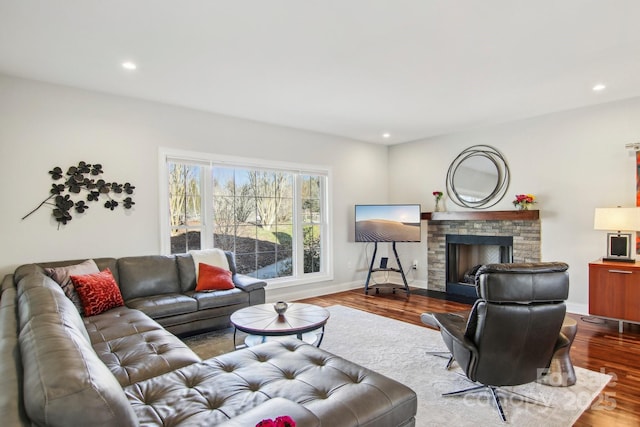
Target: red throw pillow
column 98, row 292
column 212, row 278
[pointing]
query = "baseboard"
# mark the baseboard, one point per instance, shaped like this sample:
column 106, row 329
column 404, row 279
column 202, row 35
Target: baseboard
column 576, row 308
column 310, row 290
column 421, row 284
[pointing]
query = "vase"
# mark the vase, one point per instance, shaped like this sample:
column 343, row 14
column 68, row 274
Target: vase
column 280, row 307
column 523, row 206
column 437, row 208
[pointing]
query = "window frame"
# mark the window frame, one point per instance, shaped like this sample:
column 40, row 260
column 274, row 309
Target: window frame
column 209, row 161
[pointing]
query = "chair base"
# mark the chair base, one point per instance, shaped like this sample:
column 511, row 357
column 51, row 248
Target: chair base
column 444, row 355
column 496, row 398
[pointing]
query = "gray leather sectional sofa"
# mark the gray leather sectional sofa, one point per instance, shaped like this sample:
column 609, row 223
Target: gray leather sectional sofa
column 125, row 367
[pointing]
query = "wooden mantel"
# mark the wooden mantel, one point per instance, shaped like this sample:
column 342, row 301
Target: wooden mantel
column 529, row 215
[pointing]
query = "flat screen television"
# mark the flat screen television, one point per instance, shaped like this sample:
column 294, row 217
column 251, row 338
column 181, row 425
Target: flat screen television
column 387, row 223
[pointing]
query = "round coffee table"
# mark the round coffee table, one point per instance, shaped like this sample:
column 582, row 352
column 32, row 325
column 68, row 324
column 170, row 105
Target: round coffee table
column 305, row 321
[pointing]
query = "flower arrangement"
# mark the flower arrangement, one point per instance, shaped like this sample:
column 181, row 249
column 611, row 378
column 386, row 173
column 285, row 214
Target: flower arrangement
column 524, row 201
column 282, row 421
column 438, row 196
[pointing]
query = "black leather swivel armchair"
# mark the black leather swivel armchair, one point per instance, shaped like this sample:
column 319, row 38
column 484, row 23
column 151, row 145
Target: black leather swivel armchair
column 512, row 330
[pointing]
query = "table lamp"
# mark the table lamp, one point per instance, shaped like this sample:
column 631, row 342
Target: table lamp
column 619, row 245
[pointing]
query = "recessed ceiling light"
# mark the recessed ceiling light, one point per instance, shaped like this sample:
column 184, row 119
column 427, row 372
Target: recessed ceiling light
column 599, row 87
column 129, row 66
column 386, row 135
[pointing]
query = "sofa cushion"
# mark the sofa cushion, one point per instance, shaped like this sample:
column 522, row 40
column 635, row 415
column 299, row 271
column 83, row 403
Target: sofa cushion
column 200, row 321
column 332, row 388
column 223, row 298
column 98, row 292
column 62, row 275
column 116, row 323
column 165, row 305
column 146, row 276
column 144, row 355
column 65, row 381
column 212, row 278
column 135, row 347
column 186, row 272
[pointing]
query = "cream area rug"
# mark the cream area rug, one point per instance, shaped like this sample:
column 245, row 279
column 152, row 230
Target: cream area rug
column 398, row 350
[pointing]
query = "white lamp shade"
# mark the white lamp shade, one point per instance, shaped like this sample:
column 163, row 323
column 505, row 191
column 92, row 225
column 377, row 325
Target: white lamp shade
column 620, row 219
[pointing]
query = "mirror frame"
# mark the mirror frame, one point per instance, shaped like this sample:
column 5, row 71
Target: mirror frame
column 502, row 181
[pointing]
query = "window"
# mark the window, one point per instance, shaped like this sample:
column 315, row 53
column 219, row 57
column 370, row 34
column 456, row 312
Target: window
column 273, row 216
column 185, row 206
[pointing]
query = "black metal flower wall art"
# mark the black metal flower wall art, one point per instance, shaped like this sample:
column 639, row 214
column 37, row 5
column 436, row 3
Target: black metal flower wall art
column 83, row 178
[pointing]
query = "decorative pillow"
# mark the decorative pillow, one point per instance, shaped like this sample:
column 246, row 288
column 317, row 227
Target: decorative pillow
column 62, row 275
column 212, row 278
column 215, row 257
column 98, row 292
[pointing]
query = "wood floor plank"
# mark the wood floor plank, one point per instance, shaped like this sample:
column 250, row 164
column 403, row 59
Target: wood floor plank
column 598, row 346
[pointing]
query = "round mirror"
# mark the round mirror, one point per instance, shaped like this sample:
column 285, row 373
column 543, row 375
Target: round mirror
column 478, row 178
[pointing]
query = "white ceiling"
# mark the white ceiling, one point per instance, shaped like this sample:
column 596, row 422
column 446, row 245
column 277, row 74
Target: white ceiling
column 354, row 68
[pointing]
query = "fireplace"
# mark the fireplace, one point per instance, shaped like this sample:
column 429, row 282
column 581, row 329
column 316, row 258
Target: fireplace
column 465, row 253
column 522, row 227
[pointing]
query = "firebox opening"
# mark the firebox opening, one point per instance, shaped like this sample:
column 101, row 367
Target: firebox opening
column 466, row 253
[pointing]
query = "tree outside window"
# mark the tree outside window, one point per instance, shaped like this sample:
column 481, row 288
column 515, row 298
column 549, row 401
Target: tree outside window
column 185, row 206
column 311, row 217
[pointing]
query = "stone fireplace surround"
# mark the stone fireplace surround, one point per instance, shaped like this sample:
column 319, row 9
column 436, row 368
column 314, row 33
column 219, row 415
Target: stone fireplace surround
column 524, row 226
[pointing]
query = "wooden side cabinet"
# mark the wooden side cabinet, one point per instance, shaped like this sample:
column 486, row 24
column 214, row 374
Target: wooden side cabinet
column 614, row 291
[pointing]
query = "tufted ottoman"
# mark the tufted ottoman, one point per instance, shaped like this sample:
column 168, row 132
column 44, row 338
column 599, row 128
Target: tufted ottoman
column 330, row 389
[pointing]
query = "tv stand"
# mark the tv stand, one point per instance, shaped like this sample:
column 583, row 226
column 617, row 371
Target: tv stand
column 388, row 285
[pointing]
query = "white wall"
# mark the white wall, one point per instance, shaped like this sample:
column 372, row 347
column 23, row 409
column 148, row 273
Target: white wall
column 43, row 126
column 573, row 162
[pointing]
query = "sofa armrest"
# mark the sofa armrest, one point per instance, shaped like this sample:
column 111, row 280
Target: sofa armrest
column 272, row 409
column 11, row 398
column 248, row 283
column 7, row 282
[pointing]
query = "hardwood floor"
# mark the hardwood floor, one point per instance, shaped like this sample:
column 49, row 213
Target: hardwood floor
column 598, row 346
